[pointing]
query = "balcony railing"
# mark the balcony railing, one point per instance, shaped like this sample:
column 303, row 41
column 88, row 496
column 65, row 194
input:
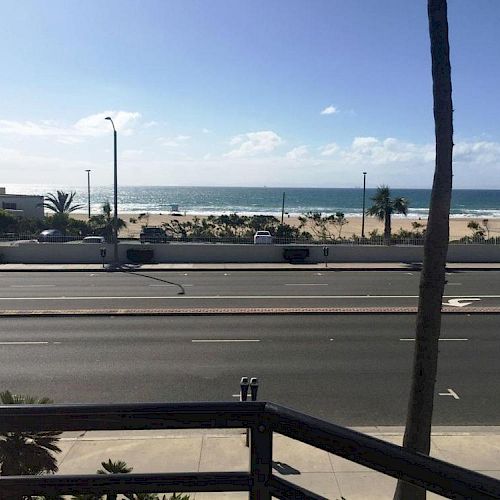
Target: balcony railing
column 261, row 418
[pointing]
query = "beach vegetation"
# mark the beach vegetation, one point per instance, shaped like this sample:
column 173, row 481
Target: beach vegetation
column 61, row 202
column 384, row 206
column 478, row 231
column 103, row 224
column 232, row 226
column 7, row 221
column 324, row 227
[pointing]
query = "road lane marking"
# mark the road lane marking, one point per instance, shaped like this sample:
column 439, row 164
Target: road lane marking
column 19, row 342
column 460, row 302
column 305, row 284
column 413, row 340
column 182, row 284
column 451, row 393
column 225, row 340
column 236, row 297
column 31, row 286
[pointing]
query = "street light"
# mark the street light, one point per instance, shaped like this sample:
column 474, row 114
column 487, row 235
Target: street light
column 115, row 218
column 363, row 220
column 88, row 187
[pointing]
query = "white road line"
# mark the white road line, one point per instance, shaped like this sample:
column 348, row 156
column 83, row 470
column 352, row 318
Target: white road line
column 236, row 297
column 225, row 340
column 413, row 340
column 181, row 284
column 31, row 286
column 451, row 393
column 305, row 284
column 28, row 343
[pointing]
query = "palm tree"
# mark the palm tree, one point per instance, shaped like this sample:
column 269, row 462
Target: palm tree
column 27, row 452
column 432, row 279
column 103, row 224
column 61, row 203
column 384, row 206
column 121, row 467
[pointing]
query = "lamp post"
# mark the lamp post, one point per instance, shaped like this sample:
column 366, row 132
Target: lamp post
column 115, row 217
column 282, row 209
column 363, row 220
column 88, row 188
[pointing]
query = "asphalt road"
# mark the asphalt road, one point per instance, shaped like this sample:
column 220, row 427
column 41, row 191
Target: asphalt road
column 349, row 369
column 87, row 290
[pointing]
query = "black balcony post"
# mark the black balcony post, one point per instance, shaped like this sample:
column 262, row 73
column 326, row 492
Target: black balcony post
column 261, row 461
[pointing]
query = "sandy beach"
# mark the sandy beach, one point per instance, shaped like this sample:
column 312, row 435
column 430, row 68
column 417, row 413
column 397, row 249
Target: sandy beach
column 458, row 226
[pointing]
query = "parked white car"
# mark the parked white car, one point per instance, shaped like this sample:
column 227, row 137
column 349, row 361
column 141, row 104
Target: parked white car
column 262, row 238
column 94, row 239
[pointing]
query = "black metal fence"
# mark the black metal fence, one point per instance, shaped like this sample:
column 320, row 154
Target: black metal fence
column 236, row 240
column 263, row 419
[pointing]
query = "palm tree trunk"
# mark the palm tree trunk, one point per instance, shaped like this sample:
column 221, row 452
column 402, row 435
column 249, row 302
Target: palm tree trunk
column 387, row 228
column 420, row 406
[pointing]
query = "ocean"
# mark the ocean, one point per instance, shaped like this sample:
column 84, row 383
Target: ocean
column 262, row 200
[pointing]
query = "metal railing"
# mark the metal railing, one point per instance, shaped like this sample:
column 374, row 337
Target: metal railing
column 237, row 240
column 263, row 419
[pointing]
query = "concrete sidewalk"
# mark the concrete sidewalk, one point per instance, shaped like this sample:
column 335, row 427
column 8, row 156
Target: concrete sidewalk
column 476, row 448
column 332, row 266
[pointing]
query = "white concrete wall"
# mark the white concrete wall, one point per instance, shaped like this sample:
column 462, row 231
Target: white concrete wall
column 206, row 253
column 31, row 206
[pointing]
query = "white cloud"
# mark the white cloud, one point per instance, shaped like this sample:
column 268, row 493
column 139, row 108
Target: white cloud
column 89, row 126
column 95, row 125
column 329, row 149
column 382, row 152
column 330, row 110
column 205, row 130
column 150, row 124
column 131, row 153
column 254, row 143
column 297, row 153
column 174, row 142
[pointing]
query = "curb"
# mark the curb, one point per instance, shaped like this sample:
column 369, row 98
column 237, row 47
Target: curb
column 247, row 269
column 233, row 311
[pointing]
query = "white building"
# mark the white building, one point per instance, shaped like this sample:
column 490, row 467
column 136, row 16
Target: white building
column 24, row 205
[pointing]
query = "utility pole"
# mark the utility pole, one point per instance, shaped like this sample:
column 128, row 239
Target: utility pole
column 283, row 209
column 115, row 218
column 364, row 193
column 88, row 188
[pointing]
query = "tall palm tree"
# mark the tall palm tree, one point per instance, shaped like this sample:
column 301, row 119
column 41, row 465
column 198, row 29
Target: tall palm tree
column 384, row 206
column 27, row 452
column 432, row 279
column 61, row 202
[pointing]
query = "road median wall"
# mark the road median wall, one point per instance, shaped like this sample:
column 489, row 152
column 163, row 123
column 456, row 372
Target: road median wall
column 79, row 253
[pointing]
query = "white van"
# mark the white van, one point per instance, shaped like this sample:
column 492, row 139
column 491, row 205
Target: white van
column 262, row 238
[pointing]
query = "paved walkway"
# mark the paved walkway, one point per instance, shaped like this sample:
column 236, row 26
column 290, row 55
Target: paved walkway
column 476, row 448
column 334, row 266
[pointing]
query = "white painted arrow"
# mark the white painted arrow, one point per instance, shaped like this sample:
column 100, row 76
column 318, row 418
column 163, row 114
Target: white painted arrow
column 460, row 302
column 451, row 393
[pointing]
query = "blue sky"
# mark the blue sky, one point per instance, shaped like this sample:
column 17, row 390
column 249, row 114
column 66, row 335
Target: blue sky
column 226, row 92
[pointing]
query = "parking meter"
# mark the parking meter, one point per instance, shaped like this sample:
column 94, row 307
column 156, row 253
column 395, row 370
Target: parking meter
column 103, row 255
column 326, row 251
column 254, row 387
column 244, row 388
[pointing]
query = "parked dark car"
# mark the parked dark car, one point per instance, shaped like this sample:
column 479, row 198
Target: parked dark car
column 50, row 236
column 153, row 235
